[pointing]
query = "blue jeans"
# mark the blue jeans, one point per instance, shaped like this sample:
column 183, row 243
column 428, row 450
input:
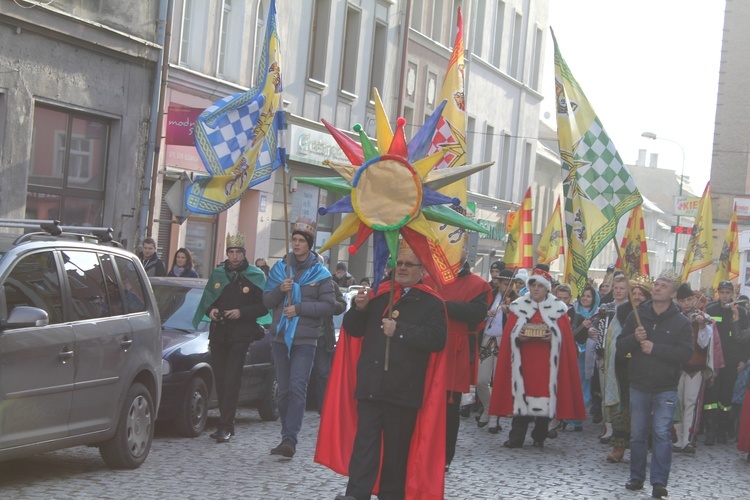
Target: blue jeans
column 651, row 413
column 292, row 376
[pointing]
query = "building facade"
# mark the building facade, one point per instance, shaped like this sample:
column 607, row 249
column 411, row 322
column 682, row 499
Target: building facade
column 76, row 92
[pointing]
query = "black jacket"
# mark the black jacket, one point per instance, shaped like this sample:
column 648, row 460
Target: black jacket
column 733, row 351
column 153, row 266
column 421, row 329
column 672, row 336
column 240, row 294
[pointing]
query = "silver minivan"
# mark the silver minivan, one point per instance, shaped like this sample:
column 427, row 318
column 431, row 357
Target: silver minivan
column 80, row 349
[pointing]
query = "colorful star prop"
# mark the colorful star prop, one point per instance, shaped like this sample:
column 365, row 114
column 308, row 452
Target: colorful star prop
column 392, row 190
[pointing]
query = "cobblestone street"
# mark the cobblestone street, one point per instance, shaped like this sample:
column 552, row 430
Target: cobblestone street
column 571, row 466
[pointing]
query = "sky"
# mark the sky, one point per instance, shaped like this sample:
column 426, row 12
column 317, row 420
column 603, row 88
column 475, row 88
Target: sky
column 645, row 66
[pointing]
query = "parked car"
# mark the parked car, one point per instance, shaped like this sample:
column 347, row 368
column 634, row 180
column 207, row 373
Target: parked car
column 188, row 379
column 80, row 346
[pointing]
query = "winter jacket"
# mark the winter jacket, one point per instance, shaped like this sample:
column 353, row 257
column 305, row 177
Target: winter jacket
column 318, row 302
column 421, row 329
column 153, row 266
column 672, row 336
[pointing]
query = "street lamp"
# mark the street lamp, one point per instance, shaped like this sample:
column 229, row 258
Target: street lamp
column 653, row 136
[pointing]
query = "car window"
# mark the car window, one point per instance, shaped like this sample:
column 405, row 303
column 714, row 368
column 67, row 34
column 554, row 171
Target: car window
column 135, row 296
column 114, row 294
column 35, row 282
column 86, row 284
column 177, row 305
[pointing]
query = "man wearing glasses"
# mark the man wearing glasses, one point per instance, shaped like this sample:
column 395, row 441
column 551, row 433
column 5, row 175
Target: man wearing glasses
column 390, row 401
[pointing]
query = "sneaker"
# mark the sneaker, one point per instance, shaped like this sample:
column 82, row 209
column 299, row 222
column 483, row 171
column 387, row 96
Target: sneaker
column 634, row 484
column 287, row 449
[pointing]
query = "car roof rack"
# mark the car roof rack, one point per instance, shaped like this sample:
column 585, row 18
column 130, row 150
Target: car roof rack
column 55, row 229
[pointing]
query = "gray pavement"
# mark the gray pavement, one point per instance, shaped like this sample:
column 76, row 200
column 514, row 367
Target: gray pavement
column 571, row 466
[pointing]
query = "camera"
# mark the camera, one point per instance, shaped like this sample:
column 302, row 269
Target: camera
column 707, row 319
column 220, row 317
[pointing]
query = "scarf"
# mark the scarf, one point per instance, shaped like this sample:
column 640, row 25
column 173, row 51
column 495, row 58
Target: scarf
column 277, row 274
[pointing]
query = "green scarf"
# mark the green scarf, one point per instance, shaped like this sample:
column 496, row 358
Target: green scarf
column 220, row 278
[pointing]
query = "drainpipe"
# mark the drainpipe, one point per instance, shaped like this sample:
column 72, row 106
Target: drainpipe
column 152, row 150
column 404, row 45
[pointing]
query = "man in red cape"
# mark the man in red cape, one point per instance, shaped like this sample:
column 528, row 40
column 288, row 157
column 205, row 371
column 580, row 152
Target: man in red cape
column 401, row 410
column 537, row 376
column 467, row 300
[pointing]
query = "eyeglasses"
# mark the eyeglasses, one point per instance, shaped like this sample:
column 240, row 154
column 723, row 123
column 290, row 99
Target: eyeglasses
column 407, row 265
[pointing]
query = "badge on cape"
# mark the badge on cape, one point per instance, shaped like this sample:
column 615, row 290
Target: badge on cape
column 394, row 315
column 245, row 289
column 217, row 285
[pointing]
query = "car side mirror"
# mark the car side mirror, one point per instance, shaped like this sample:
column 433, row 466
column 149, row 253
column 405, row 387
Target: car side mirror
column 25, row 316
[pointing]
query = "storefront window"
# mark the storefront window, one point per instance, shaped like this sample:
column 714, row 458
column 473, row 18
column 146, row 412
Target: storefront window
column 200, row 240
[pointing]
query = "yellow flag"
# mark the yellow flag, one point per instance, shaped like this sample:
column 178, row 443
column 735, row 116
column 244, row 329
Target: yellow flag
column 598, row 187
column 634, row 250
column 699, row 253
column 518, row 249
column 551, row 244
column 451, row 137
column 728, row 266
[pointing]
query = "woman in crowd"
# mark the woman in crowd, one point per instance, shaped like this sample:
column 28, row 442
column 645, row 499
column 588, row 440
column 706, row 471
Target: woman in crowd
column 585, row 307
column 182, row 265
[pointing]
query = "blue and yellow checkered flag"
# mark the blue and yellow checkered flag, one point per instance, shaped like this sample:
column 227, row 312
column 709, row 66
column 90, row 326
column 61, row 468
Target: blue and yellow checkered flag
column 237, row 137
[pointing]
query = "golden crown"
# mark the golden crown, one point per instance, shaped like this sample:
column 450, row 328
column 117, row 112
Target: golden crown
column 305, row 225
column 642, row 281
column 671, row 276
column 235, row 240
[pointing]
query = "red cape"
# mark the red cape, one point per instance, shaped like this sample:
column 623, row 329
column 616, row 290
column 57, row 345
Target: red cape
column 425, row 475
column 569, row 405
column 462, row 370
column 743, row 438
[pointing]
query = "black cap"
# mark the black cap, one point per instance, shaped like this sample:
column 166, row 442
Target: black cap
column 725, row 284
column 498, row 264
column 341, row 265
column 684, row 291
column 505, row 274
column 543, row 267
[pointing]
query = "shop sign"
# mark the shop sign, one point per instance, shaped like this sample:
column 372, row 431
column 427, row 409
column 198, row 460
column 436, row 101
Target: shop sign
column 180, row 123
column 314, row 146
column 686, row 205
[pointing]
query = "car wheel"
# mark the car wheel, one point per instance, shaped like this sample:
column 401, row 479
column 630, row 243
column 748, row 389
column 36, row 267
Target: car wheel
column 193, row 412
column 131, row 443
column 268, row 408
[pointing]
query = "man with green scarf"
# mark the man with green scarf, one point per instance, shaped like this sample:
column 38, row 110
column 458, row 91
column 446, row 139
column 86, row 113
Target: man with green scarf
column 233, row 301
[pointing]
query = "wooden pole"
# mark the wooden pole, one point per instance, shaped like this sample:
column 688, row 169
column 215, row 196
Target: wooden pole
column 390, row 316
column 286, row 236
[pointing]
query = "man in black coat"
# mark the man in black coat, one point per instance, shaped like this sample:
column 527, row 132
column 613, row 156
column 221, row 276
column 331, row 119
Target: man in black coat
column 389, row 401
column 731, row 319
column 659, row 344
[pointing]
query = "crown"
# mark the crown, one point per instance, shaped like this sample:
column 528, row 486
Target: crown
column 305, row 225
column 235, row 240
column 671, row 276
column 642, row 281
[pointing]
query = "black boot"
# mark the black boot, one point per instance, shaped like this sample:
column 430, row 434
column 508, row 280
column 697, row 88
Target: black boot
column 708, row 418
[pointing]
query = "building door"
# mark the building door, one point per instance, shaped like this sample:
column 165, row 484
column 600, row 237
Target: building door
column 200, row 240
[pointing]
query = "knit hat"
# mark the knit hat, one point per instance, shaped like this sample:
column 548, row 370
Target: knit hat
column 540, row 276
column 341, row 265
column 305, row 228
column 543, row 267
column 522, row 274
column 684, row 292
column 498, row 264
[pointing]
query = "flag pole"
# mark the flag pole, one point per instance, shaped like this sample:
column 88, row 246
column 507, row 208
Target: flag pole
column 627, row 283
column 390, row 316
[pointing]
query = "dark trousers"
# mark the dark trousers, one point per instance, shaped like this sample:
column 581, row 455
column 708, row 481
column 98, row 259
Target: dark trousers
column 394, row 425
column 452, row 420
column 321, row 369
column 519, row 426
column 228, row 361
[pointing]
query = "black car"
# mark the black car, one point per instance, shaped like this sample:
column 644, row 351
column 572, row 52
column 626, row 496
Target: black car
column 187, row 378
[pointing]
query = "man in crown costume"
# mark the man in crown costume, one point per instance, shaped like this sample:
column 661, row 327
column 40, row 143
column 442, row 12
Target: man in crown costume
column 301, row 294
column 233, row 301
column 659, row 340
column 537, row 369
